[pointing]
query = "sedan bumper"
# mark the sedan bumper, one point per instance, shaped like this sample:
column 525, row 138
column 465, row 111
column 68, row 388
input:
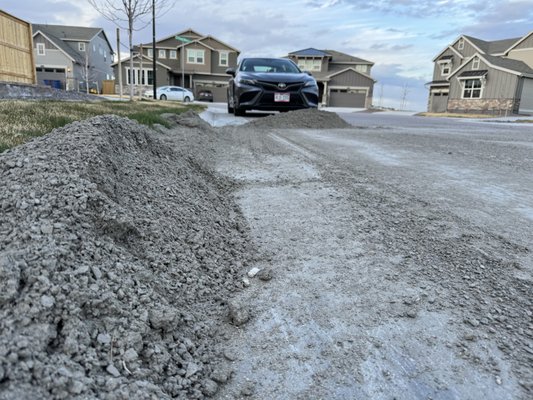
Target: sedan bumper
column 269, row 97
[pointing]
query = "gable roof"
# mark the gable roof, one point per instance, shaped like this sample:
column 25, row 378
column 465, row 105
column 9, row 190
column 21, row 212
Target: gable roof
column 503, row 64
column 71, row 33
column 449, row 48
column 58, row 43
column 518, row 42
column 339, row 57
column 491, row 47
column 136, row 55
column 311, row 52
column 342, row 71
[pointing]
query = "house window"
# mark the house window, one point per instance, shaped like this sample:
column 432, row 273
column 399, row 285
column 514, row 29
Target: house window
column 162, row 53
column 310, row 65
column 81, row 46
column 223, row 60
column 361, row 68
column 40, row 49
column 445, row 68
column 472, row 89
column 461, row 44
column 173, row 54
column 195, row 56
column 475, row 64
column 105, row 55
column 150, row 53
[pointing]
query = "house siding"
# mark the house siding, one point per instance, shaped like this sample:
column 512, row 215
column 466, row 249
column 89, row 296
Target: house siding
column 526, row 44
column 205, row 67
column 468, row 50
column 437, row 70
column 351, row 79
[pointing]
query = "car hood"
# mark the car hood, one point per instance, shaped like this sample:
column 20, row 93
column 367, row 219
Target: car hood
column 276, row 77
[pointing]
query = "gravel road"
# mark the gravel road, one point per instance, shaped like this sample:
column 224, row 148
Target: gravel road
column 400, row 255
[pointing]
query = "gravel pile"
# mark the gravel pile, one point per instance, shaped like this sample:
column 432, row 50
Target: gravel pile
column 117, row 256
column 36, row 92
column 308, row 118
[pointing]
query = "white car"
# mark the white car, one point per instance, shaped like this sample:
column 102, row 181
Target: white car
column 171, row 93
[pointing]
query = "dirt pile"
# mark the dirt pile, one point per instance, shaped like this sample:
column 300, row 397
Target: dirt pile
column 311, row 119
column 116, row 257
column 38, row 92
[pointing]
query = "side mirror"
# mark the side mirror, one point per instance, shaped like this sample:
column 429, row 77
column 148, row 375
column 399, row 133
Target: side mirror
column 230, row 71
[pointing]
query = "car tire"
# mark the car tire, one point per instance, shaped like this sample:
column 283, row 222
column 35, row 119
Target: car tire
column 230, row 109
column 240, row 112
column 187, row 99
column 163, row 97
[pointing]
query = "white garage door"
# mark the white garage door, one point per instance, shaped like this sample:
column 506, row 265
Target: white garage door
column 526, row 100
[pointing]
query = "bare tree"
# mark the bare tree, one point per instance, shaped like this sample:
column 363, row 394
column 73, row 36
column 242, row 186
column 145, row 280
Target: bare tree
column 132, row 15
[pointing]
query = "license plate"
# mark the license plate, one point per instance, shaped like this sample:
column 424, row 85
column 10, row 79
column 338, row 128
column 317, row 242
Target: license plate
column 282, row 97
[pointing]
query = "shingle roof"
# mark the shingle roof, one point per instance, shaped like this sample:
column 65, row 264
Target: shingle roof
column 337, row 56
column 480, row 72
column 492, row 47
column 310, row 52
column 63, row 32
column 508, row 63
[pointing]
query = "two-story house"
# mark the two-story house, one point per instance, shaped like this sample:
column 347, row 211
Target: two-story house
column 72, row 57
column 343, row 80
column 476, row 76
column 187, row 59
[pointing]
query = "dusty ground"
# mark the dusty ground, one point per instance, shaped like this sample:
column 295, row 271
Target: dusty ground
column 400, row 256
column 394, row 259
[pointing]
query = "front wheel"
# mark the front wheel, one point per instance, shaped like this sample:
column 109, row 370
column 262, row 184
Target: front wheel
column 187, row 99
column 163, row 97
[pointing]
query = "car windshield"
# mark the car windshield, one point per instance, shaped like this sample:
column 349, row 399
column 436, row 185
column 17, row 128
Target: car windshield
column 269, row 65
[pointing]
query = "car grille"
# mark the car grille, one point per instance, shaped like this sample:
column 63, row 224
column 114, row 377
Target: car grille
column 291, row 87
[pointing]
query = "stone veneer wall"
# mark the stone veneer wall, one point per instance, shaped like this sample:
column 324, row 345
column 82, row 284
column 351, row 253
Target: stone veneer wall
column 481, row 106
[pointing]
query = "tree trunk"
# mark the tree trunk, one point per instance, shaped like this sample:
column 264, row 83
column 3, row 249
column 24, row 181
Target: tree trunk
column 130, row 39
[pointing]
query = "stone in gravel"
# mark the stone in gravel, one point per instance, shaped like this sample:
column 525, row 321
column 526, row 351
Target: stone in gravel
column 253, row 272
column 47, row 229
column 192, row 369
column 103, row 338
column 265, row 274
column 230, row 355
column 221, row 374
column 130, row 355
column 113, row 370
column 210, row 388
column 47, row 301
column 238, row 313
column 246, row 282
column 412, row 313
column 248, row 389
column 472, row 321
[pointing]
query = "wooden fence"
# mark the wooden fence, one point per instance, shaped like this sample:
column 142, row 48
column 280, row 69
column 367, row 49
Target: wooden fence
column 16, row 50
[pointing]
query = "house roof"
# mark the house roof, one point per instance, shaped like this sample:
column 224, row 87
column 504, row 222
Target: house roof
column 438, row 83
column 503, row 64
column 446, row 57
column 492, row 47
column 62, row 46
column 72, row 33
column 311, row 52
column 342, row 71
column 475, row 73
column 144, row 57
column 339, row 57
column 518, row 42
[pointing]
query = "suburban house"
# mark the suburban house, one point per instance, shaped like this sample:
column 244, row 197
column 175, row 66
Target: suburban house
column 16, row 50
column 477, row 76
column 188, row 59
column 343, row 80
column 67, row 57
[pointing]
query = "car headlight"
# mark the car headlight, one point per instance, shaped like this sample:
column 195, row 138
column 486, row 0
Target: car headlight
column 310, row 84
column 246, row 81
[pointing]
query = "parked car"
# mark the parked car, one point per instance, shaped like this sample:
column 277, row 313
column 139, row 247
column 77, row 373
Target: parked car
column 205, row 95
column 272, row 84
column 171, row 93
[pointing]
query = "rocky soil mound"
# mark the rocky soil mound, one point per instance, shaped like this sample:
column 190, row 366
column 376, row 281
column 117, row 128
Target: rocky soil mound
column 37, row 92
column 117, row 255
column 312, row 119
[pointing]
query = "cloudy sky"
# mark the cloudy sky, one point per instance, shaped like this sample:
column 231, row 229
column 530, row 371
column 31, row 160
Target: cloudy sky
column 400, row 36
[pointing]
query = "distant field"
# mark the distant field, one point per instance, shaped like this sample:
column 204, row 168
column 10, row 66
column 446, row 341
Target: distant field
column 21, row 120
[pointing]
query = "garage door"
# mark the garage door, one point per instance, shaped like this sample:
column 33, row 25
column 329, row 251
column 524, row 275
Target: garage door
column 526, row 100
column 219, row 91
column 439, row 102
column 347, row 98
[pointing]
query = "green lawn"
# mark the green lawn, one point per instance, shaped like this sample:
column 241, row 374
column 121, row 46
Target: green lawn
column 21, row 120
